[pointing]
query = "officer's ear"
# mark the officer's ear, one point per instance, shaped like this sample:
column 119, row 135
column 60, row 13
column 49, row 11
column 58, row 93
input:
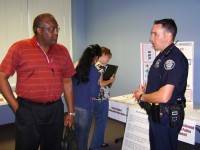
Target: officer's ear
column 169, row 36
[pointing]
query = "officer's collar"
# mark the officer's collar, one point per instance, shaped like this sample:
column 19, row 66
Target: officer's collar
column 168, row 49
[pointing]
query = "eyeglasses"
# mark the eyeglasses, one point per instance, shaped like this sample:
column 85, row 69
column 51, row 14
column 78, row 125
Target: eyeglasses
column 51, row 29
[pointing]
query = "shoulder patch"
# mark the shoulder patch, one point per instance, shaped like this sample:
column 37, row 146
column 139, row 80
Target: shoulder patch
column 169, row 64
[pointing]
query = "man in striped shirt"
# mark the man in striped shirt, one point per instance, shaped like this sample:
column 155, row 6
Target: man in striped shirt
column 44, row 70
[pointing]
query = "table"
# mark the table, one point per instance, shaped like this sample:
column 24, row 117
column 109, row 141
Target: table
column 118, row 107
column 6, row 114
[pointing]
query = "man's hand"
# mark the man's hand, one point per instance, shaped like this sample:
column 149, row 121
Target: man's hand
column 140, row 90
column 69, row 120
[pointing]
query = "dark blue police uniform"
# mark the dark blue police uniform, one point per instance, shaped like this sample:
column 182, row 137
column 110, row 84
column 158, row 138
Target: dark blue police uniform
column 169, row 67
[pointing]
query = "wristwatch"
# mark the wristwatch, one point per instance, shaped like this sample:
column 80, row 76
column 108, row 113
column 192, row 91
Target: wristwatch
column 71, row 114
column 140, row 98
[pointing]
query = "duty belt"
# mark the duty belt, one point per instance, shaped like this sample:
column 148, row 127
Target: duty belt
column 167, row 108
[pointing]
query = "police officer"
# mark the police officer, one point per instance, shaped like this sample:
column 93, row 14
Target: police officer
column 163, row 98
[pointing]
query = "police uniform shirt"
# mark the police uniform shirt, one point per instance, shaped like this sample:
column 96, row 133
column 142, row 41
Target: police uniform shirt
column 169, row 67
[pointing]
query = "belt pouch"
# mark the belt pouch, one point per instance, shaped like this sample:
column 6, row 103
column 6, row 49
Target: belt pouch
column 155, row 112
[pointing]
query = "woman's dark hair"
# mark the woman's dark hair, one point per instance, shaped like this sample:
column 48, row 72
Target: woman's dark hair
column 83, row 67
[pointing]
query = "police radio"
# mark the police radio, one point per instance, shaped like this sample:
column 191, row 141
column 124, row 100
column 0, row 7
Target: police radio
column 174, row 117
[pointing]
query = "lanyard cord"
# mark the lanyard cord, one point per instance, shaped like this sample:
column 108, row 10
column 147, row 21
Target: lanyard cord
column 47, row 58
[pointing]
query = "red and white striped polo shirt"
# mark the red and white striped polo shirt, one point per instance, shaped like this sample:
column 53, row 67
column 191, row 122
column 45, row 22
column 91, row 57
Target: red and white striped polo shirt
column 37, row 79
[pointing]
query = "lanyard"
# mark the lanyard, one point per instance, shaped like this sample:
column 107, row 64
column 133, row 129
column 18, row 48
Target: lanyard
column 50, row 63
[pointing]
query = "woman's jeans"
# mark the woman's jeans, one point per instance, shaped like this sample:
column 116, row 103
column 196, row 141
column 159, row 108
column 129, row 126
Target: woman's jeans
column 100, row 111
column 83, row 121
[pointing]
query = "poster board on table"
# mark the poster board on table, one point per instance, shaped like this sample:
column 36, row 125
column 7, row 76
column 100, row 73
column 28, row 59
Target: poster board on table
column 136, row 135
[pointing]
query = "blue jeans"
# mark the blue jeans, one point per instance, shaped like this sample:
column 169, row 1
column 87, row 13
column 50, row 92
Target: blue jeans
column 83, row 120
column 100, row 111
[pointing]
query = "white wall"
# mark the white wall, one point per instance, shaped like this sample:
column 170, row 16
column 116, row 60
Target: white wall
column 17, row 19
column 122, row 25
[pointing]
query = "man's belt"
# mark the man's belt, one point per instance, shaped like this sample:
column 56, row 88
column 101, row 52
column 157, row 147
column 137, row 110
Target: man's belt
column 37, row 103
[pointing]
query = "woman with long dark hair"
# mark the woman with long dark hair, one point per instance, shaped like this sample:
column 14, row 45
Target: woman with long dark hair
column 86, row 87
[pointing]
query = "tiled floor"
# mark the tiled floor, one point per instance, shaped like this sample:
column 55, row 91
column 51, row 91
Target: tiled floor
column 114, row 130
